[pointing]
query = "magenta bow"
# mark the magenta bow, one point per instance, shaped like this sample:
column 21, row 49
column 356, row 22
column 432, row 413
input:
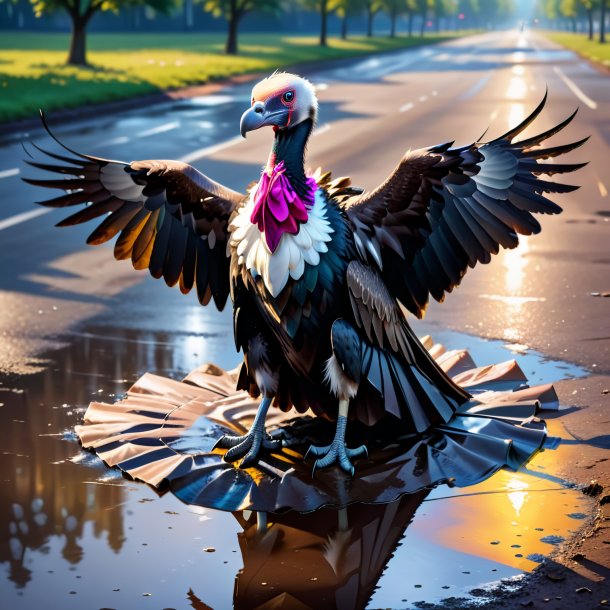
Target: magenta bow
column 277, row 207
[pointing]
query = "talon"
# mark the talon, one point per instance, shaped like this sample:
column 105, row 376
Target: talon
column 336, row 453
column 316, row 451
column 226, row 441
column 247, row 446
column 239, row 450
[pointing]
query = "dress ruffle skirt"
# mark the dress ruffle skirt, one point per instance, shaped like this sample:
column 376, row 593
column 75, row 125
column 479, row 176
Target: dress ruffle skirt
column 163, row 431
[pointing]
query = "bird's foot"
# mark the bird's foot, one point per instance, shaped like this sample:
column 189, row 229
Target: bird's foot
column 336, row 453
column 247, row 446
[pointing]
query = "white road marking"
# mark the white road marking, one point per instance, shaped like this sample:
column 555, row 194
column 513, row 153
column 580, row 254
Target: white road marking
column 210, row 150
column 7, row 173
column 116, row 141
column 603, row 191
column 476, row 87
column 215, row 100
column 408, row 106
column 160, row 129
column 575, row 89
column 423, row 98
column 11, row 221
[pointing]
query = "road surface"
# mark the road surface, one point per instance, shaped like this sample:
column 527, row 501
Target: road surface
column 89, row 326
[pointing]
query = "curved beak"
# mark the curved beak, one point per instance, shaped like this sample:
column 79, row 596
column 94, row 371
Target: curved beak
column 257, row 117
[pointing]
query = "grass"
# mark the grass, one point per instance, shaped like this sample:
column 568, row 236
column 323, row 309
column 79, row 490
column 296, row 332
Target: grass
column 591, row 49
column 33, row 73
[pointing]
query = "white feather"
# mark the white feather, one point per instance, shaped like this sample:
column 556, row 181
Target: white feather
column 292, row 252
column 303, row 239
column 311, row 257
column 298, row 271
column 341, row 385
column 278, row 272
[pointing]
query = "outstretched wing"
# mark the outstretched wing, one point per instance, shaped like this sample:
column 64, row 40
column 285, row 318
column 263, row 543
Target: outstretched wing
column 171, row 219
column 443, row 210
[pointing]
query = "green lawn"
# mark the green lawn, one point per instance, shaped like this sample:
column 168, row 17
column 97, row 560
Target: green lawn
column 33, row 73
column 591, row 49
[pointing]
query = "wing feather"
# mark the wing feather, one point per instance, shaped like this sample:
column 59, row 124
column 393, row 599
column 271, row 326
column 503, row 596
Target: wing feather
column 444, row 209
column 170, row 218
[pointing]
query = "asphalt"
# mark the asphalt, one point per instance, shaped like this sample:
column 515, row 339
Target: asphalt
column 539, row 296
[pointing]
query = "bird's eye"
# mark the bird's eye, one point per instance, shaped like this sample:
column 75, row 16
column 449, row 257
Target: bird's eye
column 288, row 97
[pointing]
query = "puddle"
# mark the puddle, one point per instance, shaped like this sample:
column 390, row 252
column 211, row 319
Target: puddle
column 538, row 368
column 77, row 535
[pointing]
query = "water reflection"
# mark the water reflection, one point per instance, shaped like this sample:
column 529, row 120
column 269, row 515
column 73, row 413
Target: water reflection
column 75, row 536
column 43, row 495
column 326, row 559
column 47, row 497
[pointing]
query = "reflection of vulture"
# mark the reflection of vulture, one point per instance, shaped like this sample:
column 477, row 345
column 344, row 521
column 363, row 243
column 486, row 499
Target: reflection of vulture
column 317, row 270
column 325, row 559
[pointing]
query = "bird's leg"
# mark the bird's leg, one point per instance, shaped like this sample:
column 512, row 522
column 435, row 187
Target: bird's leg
column 343, row 375
column 262, row 368
column 337, row 452
column 248, row 445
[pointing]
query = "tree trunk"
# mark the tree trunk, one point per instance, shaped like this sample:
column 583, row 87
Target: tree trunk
column 602, row 22
column 573, row 24
column 231, row 45
column 188, row 15
column 77, row 56
column 344, row 27
column 590, row 17
column 423, row 26
column 323, row 18
column 393, row 24
column 410, row 25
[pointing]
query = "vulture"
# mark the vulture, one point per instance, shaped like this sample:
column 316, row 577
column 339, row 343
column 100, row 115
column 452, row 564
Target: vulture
column 321, row 274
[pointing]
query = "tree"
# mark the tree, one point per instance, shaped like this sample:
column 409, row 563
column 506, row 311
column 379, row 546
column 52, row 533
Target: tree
column 568, row 9
column 344, row 9
column 393, row 8
column 411, row 8
column 423, row 7
column 589, row 7
column 234, row 11
column 602, row 21
column 442, row 9
column 372, row 8
column 81, row 12
column 324, row 8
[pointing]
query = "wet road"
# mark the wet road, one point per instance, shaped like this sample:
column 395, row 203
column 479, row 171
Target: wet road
column 91, row 326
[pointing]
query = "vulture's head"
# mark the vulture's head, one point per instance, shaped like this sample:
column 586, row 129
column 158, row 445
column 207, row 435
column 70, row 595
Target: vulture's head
column 282, row 101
